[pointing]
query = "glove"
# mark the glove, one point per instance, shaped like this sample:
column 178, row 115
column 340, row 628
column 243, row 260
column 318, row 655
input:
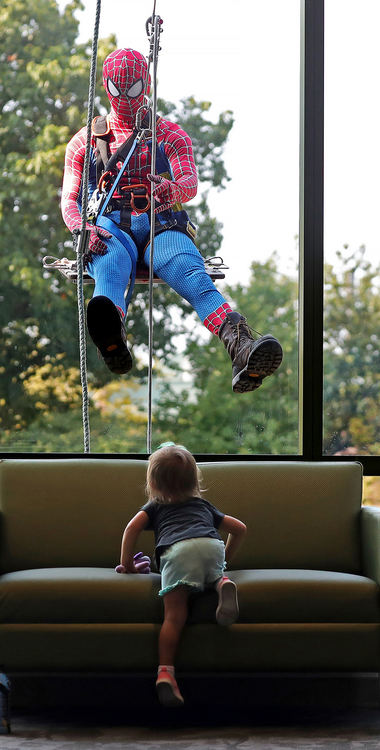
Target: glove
column 166, row 192
column 141, row 562
column 96, row 244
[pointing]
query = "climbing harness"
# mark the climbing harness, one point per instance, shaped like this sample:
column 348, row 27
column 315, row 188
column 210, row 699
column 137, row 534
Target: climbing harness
column 111, row 194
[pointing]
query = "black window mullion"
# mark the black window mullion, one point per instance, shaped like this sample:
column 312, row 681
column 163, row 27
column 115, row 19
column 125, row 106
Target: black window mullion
column 311, row 228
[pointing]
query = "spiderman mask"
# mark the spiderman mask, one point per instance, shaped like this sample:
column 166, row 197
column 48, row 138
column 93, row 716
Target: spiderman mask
column 124, row 75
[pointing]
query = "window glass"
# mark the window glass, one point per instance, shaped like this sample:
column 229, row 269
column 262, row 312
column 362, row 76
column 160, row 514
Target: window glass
column 231, row 79
column 352, row 237
column 371, row 491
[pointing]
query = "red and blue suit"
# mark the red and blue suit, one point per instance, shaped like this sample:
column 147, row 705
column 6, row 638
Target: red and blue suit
column 112, row 248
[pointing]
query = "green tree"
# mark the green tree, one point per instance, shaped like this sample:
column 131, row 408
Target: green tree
column 44, row 85
column 43, row 94
column 209, row 417
column 352, row 355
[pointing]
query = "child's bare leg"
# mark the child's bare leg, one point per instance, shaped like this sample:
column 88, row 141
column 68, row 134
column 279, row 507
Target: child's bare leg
column 176, row 611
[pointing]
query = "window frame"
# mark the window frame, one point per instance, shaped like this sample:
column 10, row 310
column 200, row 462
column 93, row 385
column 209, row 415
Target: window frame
column 311, row 276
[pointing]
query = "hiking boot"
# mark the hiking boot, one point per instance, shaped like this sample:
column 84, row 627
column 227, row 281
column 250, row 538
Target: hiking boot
column 252, row 359
column 107, row 331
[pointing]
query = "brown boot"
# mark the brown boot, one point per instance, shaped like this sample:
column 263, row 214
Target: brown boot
column 252, row 359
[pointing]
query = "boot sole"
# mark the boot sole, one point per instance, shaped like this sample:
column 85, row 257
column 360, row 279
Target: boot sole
column 105, row 328
column 264, row 359
column 166, row 695
column 227, row 611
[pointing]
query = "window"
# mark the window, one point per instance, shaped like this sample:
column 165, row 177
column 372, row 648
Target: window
column 352, row 236
column 288, row 197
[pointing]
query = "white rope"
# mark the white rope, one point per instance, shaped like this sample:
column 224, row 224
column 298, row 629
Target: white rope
column 156, row 22
column 82, row 245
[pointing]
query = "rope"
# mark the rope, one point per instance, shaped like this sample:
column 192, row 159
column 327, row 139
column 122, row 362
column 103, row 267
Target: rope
column 85, row 236
column 156, row 21
column 82, row 245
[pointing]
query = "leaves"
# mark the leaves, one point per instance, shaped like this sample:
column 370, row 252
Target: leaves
column 43, row 97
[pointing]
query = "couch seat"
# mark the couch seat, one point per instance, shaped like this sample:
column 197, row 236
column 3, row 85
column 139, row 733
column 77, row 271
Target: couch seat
column 99, row 595
column 79, row 595
column 288, row 595
column 297, row 596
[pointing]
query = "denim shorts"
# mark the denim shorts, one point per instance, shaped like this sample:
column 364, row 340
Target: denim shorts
column 196, row 563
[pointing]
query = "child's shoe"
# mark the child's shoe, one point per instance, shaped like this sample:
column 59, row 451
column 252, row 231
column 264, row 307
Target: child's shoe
column 167, row 689
column 227, row 610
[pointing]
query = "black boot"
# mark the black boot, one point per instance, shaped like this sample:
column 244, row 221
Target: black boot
column 252, row 359
column 107, row 331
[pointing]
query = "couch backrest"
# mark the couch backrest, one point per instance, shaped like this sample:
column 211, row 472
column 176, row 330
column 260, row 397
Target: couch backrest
column 67, row 512
column 299, row 514
column 72, row 512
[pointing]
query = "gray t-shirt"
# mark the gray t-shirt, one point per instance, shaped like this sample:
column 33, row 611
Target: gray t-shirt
column 192, row 518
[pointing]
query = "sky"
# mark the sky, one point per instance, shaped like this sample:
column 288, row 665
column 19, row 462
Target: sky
column 244, row 56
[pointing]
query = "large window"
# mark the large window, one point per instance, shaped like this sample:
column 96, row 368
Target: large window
column 352, row 229
column 232, row 81
column 280, row 101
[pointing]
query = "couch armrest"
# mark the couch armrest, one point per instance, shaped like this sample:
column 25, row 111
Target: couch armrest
column 370, row 541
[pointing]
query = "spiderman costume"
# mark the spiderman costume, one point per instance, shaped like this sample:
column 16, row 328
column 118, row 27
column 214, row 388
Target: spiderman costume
column 122, row 237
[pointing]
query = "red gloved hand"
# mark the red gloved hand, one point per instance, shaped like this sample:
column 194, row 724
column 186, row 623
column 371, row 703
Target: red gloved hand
column 96, row 244
column 166, row 192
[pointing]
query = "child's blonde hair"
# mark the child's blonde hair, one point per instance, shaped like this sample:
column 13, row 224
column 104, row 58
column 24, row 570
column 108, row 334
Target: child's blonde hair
column 172, row 475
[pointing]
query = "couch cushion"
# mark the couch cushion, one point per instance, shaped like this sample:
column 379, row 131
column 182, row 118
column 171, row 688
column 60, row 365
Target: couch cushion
column 72, row 512
column 79, row 595
column 96, row 595
column 298, row 596
column 299, row 515
column 68, row 512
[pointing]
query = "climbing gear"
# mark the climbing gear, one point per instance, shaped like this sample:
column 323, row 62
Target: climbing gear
column 106, row 328
column 214, row 267
column 153, row 30
column 172, row 217
column 81, row 243
column 105, row 162
column 252, row 359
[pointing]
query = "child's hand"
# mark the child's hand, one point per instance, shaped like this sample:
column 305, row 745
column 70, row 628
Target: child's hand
column 141, row 564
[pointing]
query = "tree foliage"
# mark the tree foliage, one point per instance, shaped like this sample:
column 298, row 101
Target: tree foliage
column 352, row 355
column 43, row 99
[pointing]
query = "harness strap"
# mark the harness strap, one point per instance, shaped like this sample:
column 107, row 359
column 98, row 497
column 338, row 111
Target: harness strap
column 121, row 152
column 101, row 129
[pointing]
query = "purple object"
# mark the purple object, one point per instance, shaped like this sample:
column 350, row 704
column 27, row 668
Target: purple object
column 141, row 561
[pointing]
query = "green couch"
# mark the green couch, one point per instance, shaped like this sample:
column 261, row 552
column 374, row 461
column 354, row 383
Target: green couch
column 308, row 572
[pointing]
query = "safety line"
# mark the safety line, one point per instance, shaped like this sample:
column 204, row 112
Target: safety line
column 156, row 21
column 82, row 245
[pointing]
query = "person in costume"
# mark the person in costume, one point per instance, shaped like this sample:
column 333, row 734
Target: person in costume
column 190, row 552
column 121, row 236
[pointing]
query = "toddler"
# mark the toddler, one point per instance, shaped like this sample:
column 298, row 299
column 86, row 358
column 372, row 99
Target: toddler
column 189, row 551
